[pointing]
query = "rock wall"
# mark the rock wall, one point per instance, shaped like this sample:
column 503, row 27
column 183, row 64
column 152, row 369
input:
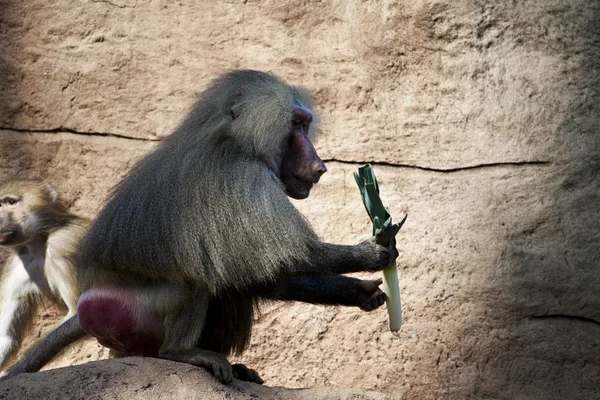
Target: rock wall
column 480, row 116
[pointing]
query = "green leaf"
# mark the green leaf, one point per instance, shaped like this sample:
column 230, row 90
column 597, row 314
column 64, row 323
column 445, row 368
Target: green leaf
column 383, row 229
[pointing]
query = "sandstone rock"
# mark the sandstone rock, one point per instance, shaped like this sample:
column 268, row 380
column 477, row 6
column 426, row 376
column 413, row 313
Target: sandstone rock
column 145, row 378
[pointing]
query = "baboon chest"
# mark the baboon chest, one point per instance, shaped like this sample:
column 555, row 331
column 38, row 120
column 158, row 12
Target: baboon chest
column 34, row 265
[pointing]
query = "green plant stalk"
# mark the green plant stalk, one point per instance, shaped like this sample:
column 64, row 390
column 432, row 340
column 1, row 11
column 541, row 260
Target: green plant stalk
column 391, row 288
column 384, row 232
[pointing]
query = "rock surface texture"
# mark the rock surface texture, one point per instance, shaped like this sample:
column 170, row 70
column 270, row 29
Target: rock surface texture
column 481, row 117
column 146, row 378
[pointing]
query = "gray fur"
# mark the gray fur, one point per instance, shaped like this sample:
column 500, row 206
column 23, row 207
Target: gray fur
column 206, row 207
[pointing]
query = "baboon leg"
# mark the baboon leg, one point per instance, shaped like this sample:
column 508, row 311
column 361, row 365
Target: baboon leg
column 161, row 322
column 16, row 307
column 65, row 334
column 185, row 324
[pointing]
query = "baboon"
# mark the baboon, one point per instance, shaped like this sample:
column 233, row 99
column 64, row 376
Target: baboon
column 41, row 236
column 202, row 229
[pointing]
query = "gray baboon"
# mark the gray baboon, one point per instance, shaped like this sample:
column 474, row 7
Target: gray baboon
column 202, row 229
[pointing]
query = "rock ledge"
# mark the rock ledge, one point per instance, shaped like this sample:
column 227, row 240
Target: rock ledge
column 145, row 378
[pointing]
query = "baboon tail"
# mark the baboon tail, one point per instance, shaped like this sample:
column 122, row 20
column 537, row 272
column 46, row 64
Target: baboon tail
column 65, row 334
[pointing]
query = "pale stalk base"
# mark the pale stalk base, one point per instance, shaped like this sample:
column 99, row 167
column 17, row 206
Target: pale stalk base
column 392, row 289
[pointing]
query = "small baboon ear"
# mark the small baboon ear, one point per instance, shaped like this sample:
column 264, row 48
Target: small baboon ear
column 53, row 193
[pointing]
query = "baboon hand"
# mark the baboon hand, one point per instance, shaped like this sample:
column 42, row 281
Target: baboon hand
column 369, row 296
column 379, row 257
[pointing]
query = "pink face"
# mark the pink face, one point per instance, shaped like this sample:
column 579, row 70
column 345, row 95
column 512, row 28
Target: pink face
column 301, row 166
column 12, row 217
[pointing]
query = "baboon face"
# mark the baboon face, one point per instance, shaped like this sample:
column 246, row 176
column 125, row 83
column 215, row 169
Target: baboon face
column 26, row 208
column 301, row 166
column 12, row 219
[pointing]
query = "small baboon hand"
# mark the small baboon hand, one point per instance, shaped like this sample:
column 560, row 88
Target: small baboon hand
column 369, row 296
column 378, row 257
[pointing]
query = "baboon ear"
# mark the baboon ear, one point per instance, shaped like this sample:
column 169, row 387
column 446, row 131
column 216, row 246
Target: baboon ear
column 53, row 193
column 236, row 108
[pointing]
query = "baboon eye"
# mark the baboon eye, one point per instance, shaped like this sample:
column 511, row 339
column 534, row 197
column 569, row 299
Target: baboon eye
column 298, row 123
column 12, row 202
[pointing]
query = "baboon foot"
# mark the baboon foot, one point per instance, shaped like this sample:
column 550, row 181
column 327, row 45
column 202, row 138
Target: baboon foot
column 243, row 373
column 213, row 362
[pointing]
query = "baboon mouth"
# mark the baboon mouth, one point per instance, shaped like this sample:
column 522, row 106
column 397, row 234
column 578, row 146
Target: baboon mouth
column 297, row 187
column 308, row 182
column 302, row 183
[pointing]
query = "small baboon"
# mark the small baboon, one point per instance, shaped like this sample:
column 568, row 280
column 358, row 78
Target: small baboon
column 202, row 229
column 41, row 236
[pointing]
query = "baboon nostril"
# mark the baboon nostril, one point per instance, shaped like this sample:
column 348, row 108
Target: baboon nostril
column 321, row 168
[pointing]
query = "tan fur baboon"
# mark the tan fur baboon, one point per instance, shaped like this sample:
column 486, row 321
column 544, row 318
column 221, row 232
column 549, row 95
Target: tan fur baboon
column 41, row 236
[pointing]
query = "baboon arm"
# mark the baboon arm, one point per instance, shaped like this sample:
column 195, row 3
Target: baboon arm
column 327, row 258
column 333, row 290
column 14, row 317
column 16, row 307
column 58, row 339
